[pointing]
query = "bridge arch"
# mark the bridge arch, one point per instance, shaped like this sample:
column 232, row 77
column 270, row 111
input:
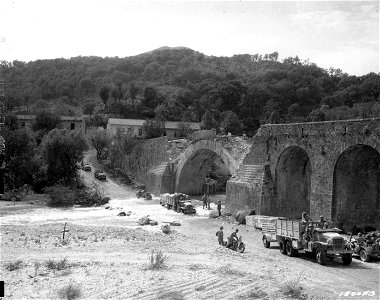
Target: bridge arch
column 356, row 187
column 193, row 165
column 293, row 183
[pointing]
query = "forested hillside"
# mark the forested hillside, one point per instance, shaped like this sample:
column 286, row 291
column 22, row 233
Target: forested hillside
column 235, row 93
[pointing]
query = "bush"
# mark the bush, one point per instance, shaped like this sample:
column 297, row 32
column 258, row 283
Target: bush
column 57, row 265
column 157, row 260
column 240, row 216
column 90, row 197
column 293, row 289
column 60, row 196
column 15, row 265
column 69, row 292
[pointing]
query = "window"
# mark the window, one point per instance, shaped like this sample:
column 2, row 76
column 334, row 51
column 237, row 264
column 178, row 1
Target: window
column 140, row 132
column 72, row 126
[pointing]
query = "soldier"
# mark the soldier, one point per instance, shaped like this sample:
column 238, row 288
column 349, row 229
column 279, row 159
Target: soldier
column 360, row 239
column 208, row 201
column 219, row 234
column 219, row 207
column 204, row 200
column 233, row 239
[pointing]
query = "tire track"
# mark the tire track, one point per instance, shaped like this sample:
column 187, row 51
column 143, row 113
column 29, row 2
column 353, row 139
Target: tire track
column 152, row 294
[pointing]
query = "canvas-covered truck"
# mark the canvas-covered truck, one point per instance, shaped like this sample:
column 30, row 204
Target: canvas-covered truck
column 178, row 202
column 293, row 236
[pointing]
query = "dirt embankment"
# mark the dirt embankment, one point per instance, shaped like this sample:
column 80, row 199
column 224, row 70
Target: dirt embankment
column 107, row 257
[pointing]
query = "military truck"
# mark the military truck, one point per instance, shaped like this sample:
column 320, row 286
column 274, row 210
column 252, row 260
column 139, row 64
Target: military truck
column 178, row 202
column 293, row 236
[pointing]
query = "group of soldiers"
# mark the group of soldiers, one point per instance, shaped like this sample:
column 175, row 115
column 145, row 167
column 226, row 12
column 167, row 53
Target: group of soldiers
column 369, row 238
column 231, row 241
column 307, row 222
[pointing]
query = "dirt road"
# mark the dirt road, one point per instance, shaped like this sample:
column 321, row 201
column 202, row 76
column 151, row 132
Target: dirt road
column 107, row 256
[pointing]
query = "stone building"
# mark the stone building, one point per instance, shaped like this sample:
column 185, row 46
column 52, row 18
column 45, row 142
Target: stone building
column 67, row 122
column 171, row 128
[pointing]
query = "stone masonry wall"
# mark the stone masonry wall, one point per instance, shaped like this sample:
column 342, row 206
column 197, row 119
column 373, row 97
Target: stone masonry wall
column 323, row 142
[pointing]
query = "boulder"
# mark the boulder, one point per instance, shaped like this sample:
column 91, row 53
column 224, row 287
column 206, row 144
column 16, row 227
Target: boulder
column 122, row 214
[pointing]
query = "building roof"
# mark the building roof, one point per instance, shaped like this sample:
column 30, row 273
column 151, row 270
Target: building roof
column 134, row 122
column 63, row 118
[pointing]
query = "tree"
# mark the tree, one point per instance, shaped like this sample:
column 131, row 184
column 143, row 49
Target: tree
column 150, row 97
column 161, row 112
column 183, row 130
column 133, row 91
column 62, row 151
column 104, row 94
column 123, row 143
column 45, row 122
column 231, row 123
column 87, row 86
column 316, row 116
column 153, row 128
column 89, row 108
column 18, row 155
column 208, row 121
column 100, row 140
column 294, row 110
column 11, row 121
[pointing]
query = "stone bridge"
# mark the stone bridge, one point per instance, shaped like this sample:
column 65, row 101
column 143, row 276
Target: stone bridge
column 322, row 168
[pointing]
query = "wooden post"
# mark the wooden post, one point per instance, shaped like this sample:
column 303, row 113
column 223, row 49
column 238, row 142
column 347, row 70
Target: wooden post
column 64, row 231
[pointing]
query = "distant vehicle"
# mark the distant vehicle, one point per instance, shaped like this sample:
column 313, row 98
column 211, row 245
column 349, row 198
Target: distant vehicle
column 11, row 196
column 324, row 243
column 366, row 250
column 86, row 167
column 99, row 174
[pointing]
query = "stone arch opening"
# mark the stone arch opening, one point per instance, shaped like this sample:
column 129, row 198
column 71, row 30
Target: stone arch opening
column 356, row 187
column 203, row 172
column 293, row 171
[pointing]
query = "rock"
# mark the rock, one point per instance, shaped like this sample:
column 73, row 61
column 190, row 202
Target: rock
column 175, row 224
column 153, row 223
column 122, row 214
column 107, row 207
column 31, row 203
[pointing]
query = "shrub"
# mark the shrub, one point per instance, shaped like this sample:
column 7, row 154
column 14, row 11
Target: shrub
column 90, row 197
column 157, row 260
column 60, row 196
column 13, row 265
column 69, row 292
column 293, row 289
column 57, row 265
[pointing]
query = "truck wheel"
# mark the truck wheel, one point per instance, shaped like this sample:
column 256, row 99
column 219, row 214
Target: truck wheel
column 290, row 251
column 347, row 258
column 364, row 255
column 282, row 245
column 321, row 256
column 265, row 242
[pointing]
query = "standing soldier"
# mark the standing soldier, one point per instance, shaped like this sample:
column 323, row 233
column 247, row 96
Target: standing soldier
column 219, row 234
column 208, row 201
column 219, row 207
column 204, row 200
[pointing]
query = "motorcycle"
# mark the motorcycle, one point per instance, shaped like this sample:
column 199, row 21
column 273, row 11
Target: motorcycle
column 237, row 246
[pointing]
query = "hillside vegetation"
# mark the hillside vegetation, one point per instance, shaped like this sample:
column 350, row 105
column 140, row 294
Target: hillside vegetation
column 233, row 94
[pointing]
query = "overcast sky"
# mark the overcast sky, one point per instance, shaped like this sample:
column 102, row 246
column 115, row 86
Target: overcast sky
column 339, row 34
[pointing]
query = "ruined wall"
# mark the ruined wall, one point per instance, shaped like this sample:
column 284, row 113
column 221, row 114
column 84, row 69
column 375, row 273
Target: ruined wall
column 323, row 142
column 146, row 162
